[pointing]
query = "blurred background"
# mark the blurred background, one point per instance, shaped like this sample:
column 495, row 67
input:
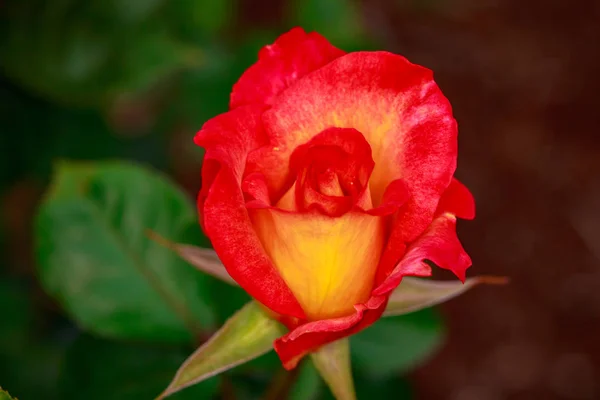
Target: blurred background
column 135, row 79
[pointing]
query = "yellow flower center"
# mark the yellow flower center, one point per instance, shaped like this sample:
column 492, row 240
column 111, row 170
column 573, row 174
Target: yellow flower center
column 329, row 263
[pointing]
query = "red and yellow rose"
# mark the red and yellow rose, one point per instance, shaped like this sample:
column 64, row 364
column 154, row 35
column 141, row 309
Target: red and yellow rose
column 330, row 179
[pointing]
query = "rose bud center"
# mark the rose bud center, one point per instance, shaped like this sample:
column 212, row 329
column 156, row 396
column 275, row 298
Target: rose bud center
column 318, row 235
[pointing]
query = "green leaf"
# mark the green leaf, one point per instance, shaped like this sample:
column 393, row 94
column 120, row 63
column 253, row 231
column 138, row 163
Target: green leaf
column 333, row 363
column 414, row 294
column 247, row 335
column 95, row 258
column 96, row 369
column 397, row 344
column 4, row 395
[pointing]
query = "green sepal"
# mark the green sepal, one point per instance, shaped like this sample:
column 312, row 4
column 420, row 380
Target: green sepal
column 248, row 334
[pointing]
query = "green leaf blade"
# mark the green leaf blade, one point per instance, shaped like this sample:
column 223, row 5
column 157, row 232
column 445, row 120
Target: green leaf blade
column 94, row 256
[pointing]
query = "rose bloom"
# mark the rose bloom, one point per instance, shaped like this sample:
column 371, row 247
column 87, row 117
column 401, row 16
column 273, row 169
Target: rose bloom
column 331, row 178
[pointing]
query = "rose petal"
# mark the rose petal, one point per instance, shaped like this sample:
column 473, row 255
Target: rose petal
column 310, row 336
column 328, row 263
column 397, row 107
column 333, row 171
column 394, row 197
column 457, row 200
column 227, row 139
column 438, row 244
column 255, row 186
column 293, row 55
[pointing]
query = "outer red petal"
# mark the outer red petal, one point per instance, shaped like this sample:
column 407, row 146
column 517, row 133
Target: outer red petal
column 293, row 55
column 394, row 104
column 457, row 200
column 227, row 139
column 309, row 337
column 438, row 244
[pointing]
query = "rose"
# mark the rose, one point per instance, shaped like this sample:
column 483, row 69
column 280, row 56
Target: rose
column 331, row 178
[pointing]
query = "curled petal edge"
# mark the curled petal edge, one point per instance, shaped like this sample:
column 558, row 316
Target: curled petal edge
column 440, row 245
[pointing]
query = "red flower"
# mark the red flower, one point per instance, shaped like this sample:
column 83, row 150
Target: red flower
column 328, row 181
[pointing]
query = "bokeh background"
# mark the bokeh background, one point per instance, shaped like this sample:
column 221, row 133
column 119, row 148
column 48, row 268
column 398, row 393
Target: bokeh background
column 134, row 80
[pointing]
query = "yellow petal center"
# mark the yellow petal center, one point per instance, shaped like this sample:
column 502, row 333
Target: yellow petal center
column 328, row 263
